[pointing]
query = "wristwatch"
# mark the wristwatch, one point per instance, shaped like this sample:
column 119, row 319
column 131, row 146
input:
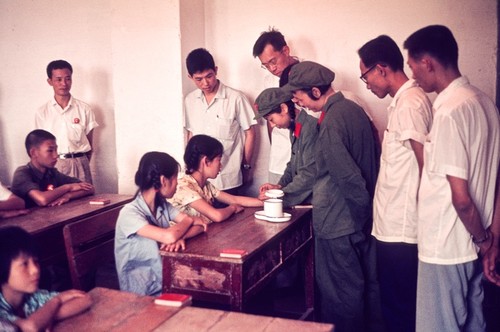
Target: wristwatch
column 246, row 166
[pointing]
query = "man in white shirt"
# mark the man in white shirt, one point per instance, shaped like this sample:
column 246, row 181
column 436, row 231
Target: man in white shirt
column 274, row 55
column 395, row 201
column 457, row 189
column 70, row 120
column 223, row 113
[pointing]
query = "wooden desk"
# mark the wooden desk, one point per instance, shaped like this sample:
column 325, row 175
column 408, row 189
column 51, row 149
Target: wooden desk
column 46, row 223
column 120, row 311
column 113, row 310
column 200, row 271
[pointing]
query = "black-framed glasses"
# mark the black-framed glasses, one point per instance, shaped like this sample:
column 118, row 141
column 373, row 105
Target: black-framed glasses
column 271, row 63
column 363, row 76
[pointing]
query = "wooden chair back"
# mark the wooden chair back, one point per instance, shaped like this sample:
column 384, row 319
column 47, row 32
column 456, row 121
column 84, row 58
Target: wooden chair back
column 90, row 246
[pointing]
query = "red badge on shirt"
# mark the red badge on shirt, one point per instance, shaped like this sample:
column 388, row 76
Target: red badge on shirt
column 298, row 128
column 76, row 120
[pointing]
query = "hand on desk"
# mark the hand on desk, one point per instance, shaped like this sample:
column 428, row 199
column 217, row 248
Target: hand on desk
column 174, row 247
column 13, row 213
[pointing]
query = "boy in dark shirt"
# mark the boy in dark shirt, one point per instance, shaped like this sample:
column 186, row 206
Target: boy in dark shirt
column 39, row 182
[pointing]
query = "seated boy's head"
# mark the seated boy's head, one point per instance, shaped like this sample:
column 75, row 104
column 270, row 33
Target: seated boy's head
column 19, row 269
column 42, row 148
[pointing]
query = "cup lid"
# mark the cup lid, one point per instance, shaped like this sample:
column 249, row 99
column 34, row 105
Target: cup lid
column 274, row 193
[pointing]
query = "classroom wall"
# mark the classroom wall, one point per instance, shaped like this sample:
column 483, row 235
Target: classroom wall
column 128, row 58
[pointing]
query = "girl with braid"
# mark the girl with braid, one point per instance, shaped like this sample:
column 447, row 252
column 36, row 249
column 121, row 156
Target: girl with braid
column 144, row 225
column 195, row 195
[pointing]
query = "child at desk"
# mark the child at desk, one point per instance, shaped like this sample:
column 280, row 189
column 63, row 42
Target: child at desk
column 21, row 302
column 195, row 194
column 145, row 222
column 39, row 182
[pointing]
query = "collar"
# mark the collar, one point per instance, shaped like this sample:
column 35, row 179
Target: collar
column 220, row 94
column 55, row 104
column 411, row 83
column 455, row 84
column 144, row 206
column 37, row 173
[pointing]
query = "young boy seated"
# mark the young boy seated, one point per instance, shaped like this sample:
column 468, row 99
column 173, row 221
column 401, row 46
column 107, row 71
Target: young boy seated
column 39, row 182
column 21, row 302
column 10, row 204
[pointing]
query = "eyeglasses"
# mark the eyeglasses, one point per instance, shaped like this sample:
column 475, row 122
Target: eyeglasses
column 363, row 76
column 271, row 63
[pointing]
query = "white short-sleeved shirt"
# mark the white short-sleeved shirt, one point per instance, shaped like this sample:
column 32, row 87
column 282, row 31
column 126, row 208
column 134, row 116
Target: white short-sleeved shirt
column 226, row 118
column 4, row 193
column 70, row 125
column 464, row 142
column 395, row 202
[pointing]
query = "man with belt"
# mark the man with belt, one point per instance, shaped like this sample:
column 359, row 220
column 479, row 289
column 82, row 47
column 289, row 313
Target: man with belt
column 70, row 120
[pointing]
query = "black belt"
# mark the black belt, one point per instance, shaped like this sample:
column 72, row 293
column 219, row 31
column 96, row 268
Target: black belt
column 71, row 155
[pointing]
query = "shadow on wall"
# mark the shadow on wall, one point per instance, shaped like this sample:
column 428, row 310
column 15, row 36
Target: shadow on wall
column 103, row 163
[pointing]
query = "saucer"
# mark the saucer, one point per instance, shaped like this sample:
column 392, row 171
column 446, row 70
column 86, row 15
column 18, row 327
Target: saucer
column 260, row 215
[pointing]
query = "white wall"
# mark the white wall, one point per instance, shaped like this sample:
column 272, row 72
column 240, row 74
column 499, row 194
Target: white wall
column 331, row 31
column 128, row 58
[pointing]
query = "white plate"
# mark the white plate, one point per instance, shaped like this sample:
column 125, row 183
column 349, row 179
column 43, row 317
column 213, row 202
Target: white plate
column 260, row 215
column 274, row 193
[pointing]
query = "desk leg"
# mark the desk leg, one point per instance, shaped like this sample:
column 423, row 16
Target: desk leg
column 236, row 301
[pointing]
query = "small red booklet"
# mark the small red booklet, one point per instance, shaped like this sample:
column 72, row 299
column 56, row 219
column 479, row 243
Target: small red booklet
column 100, row 201
column 174, row 299
column 233, row 253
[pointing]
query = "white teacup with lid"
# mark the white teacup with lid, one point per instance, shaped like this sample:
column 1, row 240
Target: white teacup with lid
column 273, row 207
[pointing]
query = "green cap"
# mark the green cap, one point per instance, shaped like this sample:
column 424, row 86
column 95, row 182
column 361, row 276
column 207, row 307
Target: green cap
column 308, row 74
column 270, row 99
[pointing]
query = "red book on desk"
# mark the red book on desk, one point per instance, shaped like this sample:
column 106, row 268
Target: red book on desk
column 174, row 300
column 232, row 253
column 100, row 201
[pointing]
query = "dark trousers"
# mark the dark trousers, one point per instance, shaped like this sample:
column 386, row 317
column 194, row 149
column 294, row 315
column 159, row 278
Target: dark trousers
column 347, row 285
column 397, row 265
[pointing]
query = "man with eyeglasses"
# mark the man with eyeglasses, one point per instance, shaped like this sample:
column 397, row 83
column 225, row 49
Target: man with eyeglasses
column 395, row 200
column 346, row 164
column 274, row 55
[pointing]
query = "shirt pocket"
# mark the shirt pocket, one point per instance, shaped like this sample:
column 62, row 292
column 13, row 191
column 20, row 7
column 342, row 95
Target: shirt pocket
column 76, row 133
column 390, row 147
column 227, row 128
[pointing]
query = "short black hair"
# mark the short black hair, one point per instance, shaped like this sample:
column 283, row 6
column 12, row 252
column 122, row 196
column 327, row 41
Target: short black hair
column 199, row 60
column 152, row 166
column 58, row 64
column 273, row 37
column 14, row 241
column 382, row 50
column 199, row 146
column 436, row 41
column 35, row 138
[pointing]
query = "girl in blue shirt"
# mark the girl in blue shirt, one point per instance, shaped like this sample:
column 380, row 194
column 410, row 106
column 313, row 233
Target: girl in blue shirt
column 143, row 226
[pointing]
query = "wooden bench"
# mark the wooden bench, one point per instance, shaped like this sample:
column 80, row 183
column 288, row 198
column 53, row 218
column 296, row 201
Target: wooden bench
column 90, row 250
